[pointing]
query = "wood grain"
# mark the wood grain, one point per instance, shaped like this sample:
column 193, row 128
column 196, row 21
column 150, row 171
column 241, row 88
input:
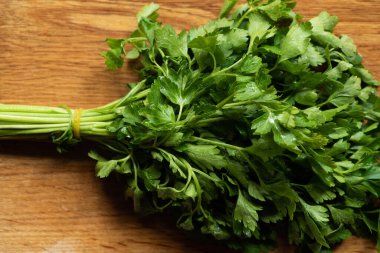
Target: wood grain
column 49, row 56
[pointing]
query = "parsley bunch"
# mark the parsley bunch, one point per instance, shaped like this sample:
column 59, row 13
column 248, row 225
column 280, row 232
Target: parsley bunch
column 253, row 122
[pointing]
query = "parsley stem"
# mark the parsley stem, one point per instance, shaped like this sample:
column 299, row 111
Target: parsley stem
column 136, row 97
column 253, row 167
column 243, row 17
column 213, row 74
column 205, row 122
column 30, row 119
column 275, row 65
column 214, row 61
column 242, row 151
column 50, row 115
column 41, row 122
column 31, row 126
column 32, row 131
column 156, row 205
column 197, row 186
column 106, row 117
column 219, row 144
column 180, row 112
column 134, row 94
column 205, row 175
column 248, row 102
column 111, row 145
column 175, row 159
column 225, row 101
column 44, row 115
column 31, row 108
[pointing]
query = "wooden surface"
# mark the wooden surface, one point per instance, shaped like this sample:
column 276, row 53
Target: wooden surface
column 49, row 56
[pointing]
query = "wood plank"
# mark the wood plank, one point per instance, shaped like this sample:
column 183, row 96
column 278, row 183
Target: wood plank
column 49, row 56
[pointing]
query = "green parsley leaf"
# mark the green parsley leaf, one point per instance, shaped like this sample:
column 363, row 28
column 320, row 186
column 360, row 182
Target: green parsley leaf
column 246, row 213
column 296, row 41
column 227, row 7
column 148, row 11
column 175, row 45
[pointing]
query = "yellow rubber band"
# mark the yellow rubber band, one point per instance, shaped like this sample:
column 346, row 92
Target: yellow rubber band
column 75, row 123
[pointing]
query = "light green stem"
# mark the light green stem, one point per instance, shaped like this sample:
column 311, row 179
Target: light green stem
column 24, row 121
column 217, row 143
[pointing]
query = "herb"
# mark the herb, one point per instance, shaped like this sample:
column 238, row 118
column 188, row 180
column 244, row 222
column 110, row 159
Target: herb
column 254, row 121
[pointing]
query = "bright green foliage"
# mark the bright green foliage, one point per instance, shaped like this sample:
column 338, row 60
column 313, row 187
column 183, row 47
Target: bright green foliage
column 253, row 122
column 296, row 41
